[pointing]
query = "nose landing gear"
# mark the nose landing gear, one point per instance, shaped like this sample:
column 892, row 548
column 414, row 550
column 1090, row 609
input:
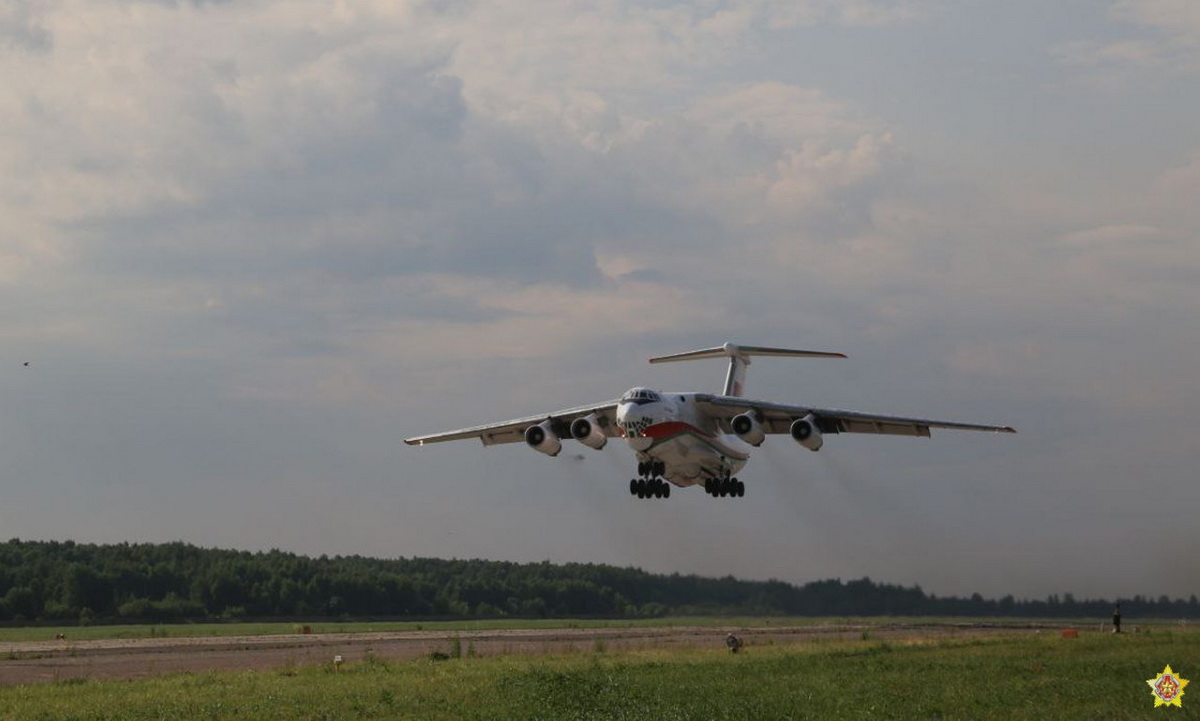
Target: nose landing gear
column 650, row 485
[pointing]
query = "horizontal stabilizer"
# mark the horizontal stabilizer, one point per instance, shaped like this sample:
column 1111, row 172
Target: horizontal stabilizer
column 729, row 350
column 739, row 358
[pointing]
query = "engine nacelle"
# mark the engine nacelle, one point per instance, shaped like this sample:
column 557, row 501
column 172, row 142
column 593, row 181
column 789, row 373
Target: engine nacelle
column 806, row 433
column 587, row 431
column 542, row 439
column 747, row 427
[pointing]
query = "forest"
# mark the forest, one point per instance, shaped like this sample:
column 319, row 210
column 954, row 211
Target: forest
column 65, row 581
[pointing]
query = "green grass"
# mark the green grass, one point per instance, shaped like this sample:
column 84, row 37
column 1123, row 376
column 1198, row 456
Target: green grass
column 1097, row 676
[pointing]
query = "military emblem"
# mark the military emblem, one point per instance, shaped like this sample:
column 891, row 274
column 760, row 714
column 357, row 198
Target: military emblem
column 1167, row 688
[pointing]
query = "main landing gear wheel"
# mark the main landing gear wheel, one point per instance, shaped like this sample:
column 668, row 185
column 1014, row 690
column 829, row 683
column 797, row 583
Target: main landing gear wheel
column 651, row 469
column 650, row 485
column 724, row 487
column 649, row 488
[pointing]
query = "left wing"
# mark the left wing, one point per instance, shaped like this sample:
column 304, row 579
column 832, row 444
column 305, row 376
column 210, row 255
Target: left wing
column 514, row 431
column 777, row 418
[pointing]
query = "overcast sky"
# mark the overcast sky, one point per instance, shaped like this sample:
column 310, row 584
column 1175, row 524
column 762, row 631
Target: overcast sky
column 248, row 246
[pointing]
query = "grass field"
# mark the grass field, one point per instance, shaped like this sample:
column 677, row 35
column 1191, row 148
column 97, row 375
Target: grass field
column 1096, row 676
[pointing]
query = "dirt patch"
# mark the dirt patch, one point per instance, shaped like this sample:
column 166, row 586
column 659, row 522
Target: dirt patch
column 38, row 662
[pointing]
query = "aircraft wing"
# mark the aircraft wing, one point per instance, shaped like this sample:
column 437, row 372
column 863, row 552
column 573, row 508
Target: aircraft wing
column 514, row 431
column 777, row 418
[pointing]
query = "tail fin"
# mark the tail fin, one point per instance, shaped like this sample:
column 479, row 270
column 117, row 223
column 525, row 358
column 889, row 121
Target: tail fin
column 739, row 358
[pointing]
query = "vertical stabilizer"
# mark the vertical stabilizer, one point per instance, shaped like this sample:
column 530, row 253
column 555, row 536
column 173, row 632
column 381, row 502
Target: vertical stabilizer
column 739, row 359
column 735, row 379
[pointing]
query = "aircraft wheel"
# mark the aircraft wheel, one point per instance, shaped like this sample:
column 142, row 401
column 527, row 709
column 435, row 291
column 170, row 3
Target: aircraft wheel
column 633, row 486
column 708, row 486
column 741, row 489
column 666, row 490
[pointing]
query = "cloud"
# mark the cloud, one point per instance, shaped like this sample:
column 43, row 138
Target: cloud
column 1092, row 54
column 193, row 149
column 22, row 28
column 1174, row 191
column 320, row 165
column 1169, row 45
column 855, row 13
column 1179, row 18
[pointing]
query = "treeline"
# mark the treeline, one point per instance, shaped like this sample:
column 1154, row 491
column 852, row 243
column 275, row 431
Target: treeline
column 68, row 581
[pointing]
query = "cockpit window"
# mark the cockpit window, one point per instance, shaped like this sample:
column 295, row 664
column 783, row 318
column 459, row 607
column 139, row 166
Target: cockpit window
column 638, row 396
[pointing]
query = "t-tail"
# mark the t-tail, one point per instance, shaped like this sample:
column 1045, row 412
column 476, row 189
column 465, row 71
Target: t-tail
column 739, row 358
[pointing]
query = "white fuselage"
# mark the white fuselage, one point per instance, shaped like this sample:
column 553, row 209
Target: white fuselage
column 668, row 427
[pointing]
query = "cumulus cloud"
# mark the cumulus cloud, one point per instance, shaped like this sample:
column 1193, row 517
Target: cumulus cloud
column 280, row 169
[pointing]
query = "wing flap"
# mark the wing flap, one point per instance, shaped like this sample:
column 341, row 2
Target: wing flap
column 916, row 430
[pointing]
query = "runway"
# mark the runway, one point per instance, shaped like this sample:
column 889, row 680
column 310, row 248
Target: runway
column 59, row 660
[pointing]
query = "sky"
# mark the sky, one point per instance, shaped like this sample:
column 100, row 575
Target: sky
column 248, row 246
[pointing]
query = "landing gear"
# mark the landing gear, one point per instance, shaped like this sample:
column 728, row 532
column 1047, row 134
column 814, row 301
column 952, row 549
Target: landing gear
column 724, row 487
column 651, row 469
column 650, row 485
column 650, row 488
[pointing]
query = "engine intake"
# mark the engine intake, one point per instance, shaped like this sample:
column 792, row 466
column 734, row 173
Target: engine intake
column 806, row 433
column 542, row 439
column 587, row 431
column 747, row 427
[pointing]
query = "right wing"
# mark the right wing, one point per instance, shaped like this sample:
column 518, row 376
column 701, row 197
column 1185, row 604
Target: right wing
column 514, row 431
column 778, row 417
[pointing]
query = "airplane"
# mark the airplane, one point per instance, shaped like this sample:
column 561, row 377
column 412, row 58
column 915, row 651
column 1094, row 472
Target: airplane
column 691, row 439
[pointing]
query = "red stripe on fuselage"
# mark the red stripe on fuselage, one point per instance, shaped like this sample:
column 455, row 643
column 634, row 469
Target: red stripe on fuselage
column 669, row 429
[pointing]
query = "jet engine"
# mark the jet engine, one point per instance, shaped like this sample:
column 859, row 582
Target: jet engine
column 542, row 439
column 748, row 429
column 805, row 431
column 587, row 431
